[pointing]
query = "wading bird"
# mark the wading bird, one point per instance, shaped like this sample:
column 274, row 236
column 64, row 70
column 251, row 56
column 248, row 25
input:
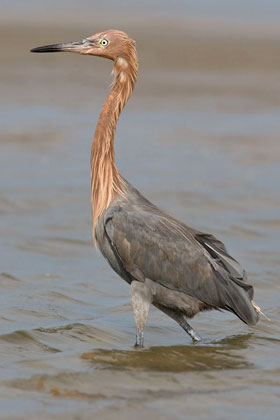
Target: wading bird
column 178, row 269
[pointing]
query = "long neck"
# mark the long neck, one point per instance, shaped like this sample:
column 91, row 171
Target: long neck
column 106, row 181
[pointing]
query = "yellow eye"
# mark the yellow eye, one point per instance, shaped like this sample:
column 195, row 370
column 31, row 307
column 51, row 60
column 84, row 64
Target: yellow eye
column 104, row 42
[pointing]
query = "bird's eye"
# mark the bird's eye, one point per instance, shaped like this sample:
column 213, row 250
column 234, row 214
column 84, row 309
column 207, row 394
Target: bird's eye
column 104, row 42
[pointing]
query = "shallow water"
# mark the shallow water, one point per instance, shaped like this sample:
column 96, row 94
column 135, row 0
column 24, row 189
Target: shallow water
column 200, row 137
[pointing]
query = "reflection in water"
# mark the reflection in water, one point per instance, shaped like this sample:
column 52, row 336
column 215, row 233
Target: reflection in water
column 175, row 358
column 150, row 368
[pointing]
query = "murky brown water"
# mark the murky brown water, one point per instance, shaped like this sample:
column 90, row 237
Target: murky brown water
column 200, row 137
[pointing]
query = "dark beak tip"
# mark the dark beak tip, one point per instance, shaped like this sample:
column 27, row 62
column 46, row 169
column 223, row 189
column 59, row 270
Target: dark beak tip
column 48, row 48
column 38, row 49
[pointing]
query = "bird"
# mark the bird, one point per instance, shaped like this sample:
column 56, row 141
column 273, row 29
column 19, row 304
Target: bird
column 168, row 264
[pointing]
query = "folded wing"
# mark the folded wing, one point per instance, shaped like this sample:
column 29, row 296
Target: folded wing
column 151, row 244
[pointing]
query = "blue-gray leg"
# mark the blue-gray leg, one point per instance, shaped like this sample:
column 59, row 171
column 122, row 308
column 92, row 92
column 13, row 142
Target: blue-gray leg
column 188, row 328
column 181, row 320
column 139, row 339
column 141, row 297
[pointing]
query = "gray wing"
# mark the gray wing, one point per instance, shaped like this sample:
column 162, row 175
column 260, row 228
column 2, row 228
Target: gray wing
column 219, row 253
column 147, row 243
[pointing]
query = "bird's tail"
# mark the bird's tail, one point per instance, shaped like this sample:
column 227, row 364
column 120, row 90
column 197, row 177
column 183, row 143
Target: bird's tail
column 239, row 300
column 259, row 311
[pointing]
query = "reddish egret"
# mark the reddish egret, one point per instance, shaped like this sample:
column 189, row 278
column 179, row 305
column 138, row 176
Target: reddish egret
column 178, row 269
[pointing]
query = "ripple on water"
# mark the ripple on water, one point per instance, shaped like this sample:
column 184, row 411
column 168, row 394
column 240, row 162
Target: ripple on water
column 8, row 281
column 53, row 247
column 23, row 342
column 79, row 332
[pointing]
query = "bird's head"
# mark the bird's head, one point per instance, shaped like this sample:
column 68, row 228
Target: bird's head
column 110, row 44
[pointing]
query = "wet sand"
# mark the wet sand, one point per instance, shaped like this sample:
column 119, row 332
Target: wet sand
column 200, row 137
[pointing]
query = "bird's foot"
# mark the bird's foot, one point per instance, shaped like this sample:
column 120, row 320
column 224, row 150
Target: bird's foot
column 189, row 329
column 195, row 336
column 139, row 339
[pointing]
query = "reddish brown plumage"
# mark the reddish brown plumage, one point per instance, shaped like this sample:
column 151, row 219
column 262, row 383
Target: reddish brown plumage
column 105, row 178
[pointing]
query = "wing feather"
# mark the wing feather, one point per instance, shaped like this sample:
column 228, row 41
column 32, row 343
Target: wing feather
column 151, row 244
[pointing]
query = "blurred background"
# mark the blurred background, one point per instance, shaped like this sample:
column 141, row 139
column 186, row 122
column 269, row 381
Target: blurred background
column 200, row 138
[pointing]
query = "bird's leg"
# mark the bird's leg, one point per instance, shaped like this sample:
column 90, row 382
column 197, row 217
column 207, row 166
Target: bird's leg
column 188, row 328
column 141, row 298
column 180, row 319
column 139, row 338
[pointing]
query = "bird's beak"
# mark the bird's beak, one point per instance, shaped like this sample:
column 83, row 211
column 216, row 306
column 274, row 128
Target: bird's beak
column 80, row 47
